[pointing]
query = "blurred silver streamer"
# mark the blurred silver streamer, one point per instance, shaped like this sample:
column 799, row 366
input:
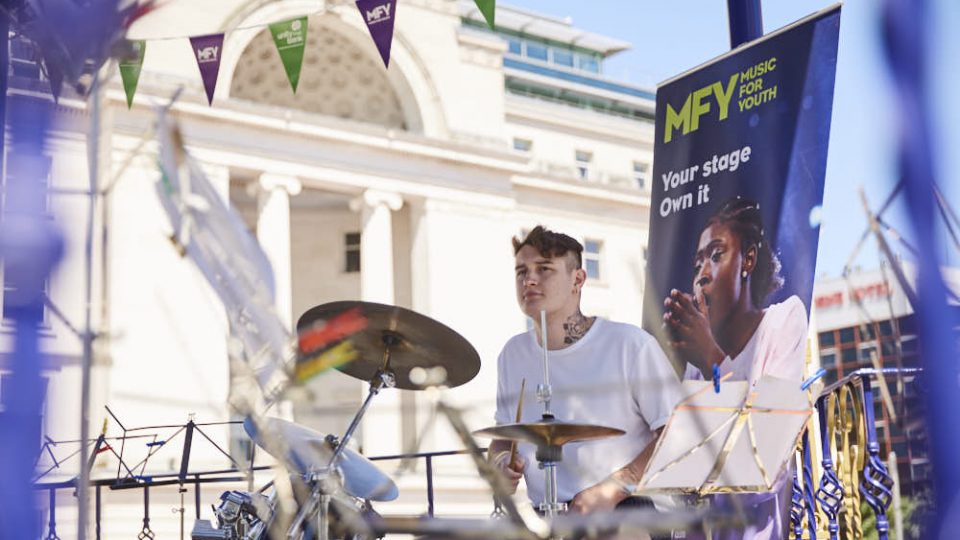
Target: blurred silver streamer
column 215, row 239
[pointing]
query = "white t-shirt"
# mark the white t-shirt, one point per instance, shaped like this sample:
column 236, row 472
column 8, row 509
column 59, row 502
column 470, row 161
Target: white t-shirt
column 615, row 376
column 778, row 348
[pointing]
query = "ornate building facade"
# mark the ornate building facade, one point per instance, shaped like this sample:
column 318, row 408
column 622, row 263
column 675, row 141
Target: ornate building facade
column 400, row 186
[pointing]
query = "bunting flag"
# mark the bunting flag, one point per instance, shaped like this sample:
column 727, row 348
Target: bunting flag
column 130, row 69
column 379, row 16
column 290, row 38
column 488, row 8
column 208, row 50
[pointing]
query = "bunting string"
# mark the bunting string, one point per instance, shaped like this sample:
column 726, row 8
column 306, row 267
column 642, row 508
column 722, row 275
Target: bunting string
column 290, row 38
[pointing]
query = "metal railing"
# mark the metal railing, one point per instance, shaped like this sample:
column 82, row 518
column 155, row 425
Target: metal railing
column 841, row 464
column 196, row 480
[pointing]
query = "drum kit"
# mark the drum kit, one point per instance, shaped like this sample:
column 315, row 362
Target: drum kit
column 325, row 488
column 398, row 348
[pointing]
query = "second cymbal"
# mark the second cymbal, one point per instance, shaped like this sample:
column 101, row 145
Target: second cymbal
column 548, row 432
column 414, row 341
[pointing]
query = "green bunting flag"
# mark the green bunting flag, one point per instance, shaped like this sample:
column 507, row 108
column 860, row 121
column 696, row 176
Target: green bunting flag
column 488, row 8
column 291, row 39
column 130, row 69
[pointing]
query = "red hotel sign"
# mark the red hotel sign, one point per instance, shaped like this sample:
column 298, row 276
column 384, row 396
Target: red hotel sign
column 866, row 292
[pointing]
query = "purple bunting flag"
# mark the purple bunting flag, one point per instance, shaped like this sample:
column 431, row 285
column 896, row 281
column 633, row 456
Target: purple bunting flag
column 379, row 16
column 208, row 50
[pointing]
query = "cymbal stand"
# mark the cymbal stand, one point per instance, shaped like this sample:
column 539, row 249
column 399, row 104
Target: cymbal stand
column 528, row 523
column 548, row 455
column 544, row 391
column 383, row 378
column 321, row 492
column 318, row 502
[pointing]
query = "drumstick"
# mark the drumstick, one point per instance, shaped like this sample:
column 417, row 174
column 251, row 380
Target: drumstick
column 513, row 444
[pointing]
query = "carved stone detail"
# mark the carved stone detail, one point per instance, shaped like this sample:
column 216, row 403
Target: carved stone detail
column 338, row 78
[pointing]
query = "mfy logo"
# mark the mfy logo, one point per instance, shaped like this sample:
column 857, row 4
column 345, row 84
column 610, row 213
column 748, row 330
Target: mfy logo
column 208, row 54
column 378, row 14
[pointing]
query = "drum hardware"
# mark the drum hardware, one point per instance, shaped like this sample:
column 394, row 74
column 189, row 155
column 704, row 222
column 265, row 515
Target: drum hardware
column 402, row 341
column 398, row 348
column 544, row 390
column 319, row 502
column 318, row 487
column 549, row 435
column 383, row 378
column 240, row 516
column 521, row 518
column 309, row 455
column 412, row 340
column 548, row 455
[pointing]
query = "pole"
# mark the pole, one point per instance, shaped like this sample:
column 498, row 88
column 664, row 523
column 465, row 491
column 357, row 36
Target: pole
column 544, row 391
column 746, row 21
column 93, row 157
column 905, row 33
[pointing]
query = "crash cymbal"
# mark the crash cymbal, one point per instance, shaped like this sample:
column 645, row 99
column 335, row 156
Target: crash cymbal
column 311, row 451
column 548, row 432
column 414, row 340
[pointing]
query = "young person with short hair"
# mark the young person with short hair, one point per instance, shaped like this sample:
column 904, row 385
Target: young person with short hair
column 601, row 372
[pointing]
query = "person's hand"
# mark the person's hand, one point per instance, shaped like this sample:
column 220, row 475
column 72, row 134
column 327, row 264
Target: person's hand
column 603, row 496
column 513, row 474
column 688, row 326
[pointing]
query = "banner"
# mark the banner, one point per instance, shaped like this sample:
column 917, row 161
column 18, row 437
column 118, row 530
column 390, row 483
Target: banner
column 130, row 67
column 208, row 50
column 379, row 16
column 740, row 158
column 488, row 8
column 290, row 38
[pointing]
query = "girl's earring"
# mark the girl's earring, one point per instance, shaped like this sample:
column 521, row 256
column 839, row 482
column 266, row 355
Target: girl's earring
column 743, row 274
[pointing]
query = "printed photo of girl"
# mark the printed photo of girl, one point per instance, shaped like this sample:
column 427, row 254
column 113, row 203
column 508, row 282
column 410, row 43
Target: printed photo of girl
column 726, row 321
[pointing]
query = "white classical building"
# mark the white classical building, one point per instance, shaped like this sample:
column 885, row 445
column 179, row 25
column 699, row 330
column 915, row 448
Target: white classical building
column 400, row 186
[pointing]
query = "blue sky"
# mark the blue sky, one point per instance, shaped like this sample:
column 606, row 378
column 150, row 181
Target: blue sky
column 671, row 37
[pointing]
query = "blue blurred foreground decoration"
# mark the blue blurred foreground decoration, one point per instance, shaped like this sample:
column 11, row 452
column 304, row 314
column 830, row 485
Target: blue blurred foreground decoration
column 73, row 40
column 30, row 247
column 905, row 32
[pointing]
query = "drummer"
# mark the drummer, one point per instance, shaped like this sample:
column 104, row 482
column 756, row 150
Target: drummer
column 601, row 372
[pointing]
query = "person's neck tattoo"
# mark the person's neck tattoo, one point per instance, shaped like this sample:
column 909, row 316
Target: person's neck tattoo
column 575, row 327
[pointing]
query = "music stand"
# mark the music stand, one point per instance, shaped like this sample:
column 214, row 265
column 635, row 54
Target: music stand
column 739, row 440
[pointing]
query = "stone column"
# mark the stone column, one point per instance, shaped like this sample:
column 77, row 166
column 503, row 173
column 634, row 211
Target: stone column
column 376, row 244
column 273, row 233
column 382, row 426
